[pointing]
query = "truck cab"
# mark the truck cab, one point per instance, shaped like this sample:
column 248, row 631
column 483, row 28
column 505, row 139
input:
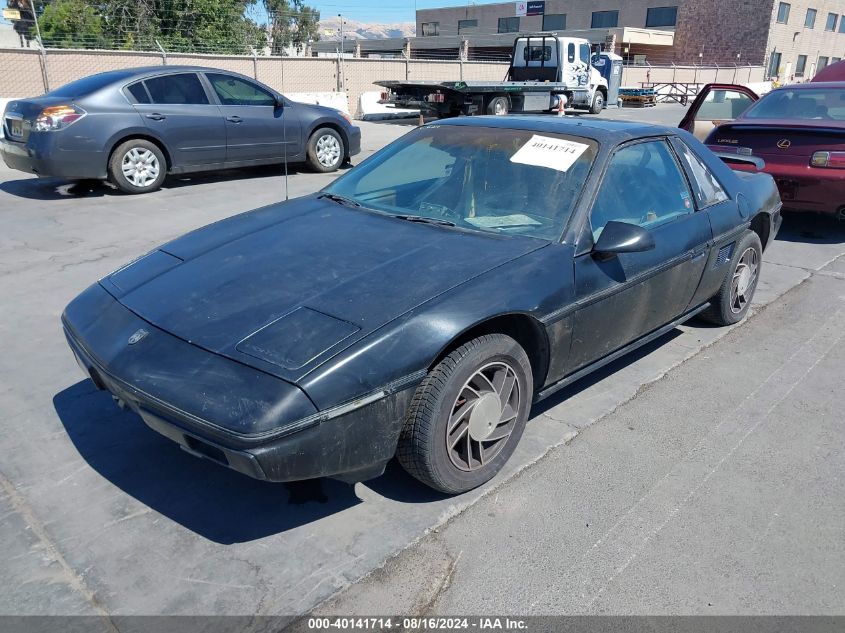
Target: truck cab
column 547, row 57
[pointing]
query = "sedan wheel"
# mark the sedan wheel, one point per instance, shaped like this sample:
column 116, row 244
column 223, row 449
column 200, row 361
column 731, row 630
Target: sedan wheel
column 326, row 150
column 731, row 303
column 137, row 166
column 468, row 415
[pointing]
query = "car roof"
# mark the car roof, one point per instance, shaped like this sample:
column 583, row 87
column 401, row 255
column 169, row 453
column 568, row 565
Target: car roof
column 813, row 85
column 142, row 71
column 602, row 130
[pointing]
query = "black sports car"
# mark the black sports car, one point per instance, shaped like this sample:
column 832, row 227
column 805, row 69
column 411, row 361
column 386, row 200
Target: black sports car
column 419, row 304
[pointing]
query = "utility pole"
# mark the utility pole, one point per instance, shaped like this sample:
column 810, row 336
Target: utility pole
column 35, row 17
column 342, row 70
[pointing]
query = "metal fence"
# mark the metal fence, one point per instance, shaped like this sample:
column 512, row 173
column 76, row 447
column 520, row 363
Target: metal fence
column 27, row 72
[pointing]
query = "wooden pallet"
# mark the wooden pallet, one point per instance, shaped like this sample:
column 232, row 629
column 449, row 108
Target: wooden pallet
column 638, row 101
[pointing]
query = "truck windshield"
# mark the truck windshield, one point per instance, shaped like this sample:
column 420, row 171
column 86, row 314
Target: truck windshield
column 495, row 180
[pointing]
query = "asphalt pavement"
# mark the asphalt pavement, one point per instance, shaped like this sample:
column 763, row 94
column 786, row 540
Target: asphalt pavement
column 99, row 515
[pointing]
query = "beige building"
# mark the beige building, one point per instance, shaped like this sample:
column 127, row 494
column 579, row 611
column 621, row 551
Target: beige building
column 793, row 40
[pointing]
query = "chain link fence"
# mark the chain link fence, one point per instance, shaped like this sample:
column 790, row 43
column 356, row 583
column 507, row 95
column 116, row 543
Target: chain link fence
column 28, row 72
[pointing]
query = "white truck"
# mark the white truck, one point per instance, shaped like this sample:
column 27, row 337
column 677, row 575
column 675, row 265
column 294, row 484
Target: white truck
column 545, row 70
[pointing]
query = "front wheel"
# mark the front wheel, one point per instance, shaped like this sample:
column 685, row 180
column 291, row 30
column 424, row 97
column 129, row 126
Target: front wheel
column 137, row 166
column 731, row 303
column 468, row 415
column 326, row 151
column 598, row 103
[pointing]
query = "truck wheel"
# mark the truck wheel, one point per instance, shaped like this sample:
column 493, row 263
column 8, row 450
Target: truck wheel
column 598, row 103
column 498, row 106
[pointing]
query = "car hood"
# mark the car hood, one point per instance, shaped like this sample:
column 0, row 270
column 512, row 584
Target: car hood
column 318, row 274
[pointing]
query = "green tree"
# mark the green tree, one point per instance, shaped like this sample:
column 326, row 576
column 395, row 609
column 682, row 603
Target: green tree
column 72, row 24
column 292, row 24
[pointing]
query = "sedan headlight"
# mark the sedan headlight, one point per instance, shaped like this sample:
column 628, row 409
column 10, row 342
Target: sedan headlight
column 58, row 117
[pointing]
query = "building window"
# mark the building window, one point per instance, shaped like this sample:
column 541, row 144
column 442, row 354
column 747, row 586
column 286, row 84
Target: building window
column 783, row 12
column 842, row 26
column 800, row 65
column 822, row 63
column 774, row 65
column 833, row 60
column 810, row 20
column 466, row 25
column 605, row 19
column 661, row 16
column 831, row 22
column 508, row 25
column 554, row 22
column 430, row 29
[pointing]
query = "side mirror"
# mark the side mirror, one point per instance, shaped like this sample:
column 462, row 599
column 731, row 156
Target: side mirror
column 280, row 103
column 621, row 237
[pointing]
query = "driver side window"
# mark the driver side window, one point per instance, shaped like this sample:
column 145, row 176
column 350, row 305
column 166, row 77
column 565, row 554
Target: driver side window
column 643, row 185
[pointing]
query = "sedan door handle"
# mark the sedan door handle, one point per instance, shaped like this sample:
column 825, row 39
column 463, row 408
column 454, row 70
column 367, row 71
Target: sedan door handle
column 234, row 119
column 155, row 116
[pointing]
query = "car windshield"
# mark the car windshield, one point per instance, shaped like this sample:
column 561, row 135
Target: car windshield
column 87, row 85
column 487, row 179
column 803, row 103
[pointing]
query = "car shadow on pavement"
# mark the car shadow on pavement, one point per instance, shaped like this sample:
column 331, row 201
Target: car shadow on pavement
column 218, row 504
column 811, row 228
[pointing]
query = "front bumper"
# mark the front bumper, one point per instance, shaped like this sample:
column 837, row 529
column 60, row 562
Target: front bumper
column 43, row 155
column 222, row 410
column 354, row 139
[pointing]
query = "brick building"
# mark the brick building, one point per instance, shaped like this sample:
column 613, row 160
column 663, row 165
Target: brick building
column 791, row 39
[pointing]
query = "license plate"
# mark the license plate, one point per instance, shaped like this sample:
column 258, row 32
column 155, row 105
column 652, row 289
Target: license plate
column 16, row 127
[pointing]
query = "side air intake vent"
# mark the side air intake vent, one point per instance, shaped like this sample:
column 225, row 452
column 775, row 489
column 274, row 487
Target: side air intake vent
column 724, row 255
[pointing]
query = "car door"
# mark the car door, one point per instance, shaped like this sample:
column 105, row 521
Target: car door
column 624, row 297
column 258, row 128
column 177, row 108
column 714, row 105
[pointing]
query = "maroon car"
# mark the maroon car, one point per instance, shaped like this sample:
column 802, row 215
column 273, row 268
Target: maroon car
column 797, row 130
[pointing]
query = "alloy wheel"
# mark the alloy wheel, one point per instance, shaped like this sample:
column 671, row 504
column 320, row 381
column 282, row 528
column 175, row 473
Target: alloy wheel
column 483, row 416
column 744, row 280
column 140, row 167
column 328, row 150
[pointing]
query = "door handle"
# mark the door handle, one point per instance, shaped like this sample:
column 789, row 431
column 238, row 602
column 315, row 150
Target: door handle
column 155, row 116
column 234, row 119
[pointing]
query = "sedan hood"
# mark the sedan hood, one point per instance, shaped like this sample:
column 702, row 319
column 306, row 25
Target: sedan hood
column 356, row 267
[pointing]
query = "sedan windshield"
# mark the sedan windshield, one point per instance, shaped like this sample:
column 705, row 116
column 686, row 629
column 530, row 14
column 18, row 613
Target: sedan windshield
column 803, row 103
column 487, row 179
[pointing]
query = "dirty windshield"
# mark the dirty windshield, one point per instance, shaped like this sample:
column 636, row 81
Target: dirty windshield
column 487, row 179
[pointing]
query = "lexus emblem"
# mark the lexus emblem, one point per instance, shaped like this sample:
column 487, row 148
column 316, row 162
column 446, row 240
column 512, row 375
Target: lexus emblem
column 140, row 335
column 784, row 143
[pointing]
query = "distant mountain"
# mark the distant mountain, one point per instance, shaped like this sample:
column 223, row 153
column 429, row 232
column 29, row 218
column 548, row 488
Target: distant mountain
column 364, row 30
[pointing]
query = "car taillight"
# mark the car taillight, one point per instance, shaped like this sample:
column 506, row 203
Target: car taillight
column 833, row 160
column 385, row 96
column 57, row 117
column 436, row 97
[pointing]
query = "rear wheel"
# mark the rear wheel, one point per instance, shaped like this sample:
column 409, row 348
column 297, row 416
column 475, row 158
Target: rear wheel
column 326, row 150
column 468, row 415
column 731, row 303
column 498, row 106
column 137, row 166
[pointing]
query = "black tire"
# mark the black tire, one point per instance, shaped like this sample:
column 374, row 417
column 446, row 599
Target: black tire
column 146, row 152
column 498, row 106
column 423, row 449
column 326, row 150
column 725, row 308
column 598, row 103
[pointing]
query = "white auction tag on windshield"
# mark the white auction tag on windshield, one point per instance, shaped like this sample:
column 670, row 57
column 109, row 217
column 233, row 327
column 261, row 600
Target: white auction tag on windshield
column 545, row 151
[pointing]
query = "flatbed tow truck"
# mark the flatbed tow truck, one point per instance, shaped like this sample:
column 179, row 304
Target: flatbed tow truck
column 546, row 71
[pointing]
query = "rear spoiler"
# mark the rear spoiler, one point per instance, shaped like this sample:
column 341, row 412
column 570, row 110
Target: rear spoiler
column 741, row 160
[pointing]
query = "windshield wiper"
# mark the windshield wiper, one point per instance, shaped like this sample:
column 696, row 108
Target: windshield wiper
column 349, row 202
column 424, row 220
